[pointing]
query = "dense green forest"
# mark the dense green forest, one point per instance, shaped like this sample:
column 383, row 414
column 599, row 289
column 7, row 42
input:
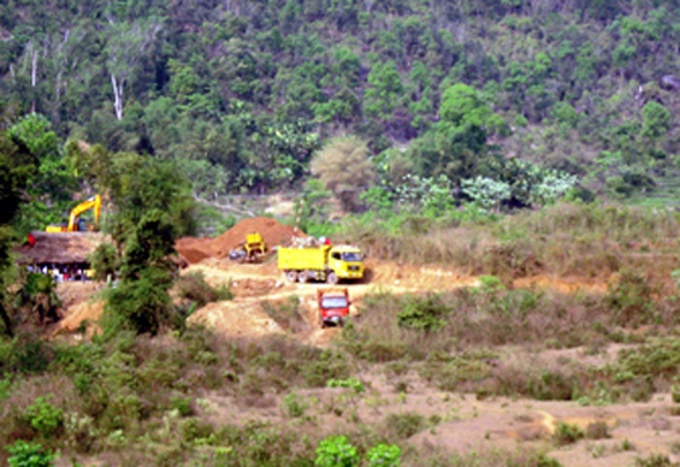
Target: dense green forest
column 495, row 96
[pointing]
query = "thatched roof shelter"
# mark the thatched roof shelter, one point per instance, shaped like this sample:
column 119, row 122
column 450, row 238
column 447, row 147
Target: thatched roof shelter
column 59, row 248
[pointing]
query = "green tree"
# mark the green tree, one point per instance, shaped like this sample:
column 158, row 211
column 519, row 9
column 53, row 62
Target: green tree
column 656, row 121
column 457, row 146
column 152, row 207
column 17, row 167
column 384, row 90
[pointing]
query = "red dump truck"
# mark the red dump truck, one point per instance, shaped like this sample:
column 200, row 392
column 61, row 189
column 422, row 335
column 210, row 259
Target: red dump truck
column 333, row 306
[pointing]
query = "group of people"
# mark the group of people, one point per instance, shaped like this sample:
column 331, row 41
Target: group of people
column 63, row 273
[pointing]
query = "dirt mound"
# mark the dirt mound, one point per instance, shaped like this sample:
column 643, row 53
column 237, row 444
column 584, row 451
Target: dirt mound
column 273, row 232
column 84, row 312
column 72, row 293
column 236, row 319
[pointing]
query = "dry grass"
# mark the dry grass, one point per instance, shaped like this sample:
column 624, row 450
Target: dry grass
column 566, row 239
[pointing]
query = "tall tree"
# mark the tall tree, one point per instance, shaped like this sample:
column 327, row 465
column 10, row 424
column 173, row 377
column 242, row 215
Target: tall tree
column 17, row 166
column 126, row 46
column 152, row 207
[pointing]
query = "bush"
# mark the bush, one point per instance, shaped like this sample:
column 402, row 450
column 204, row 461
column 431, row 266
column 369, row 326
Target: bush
column 655, row 460
column 328, row 365
column 566, row 433
column 384, row 455
column 25, row 454
column 425, row 313
column 675, row 393
column 194, row 288
column 286, row 314
column 630, row 299
column 336, row 451
column 656, row 360
column 405, row 425
column 597, row 430
column 293, row 405
column 352, row 383
column 182, row 405
column 43, row 417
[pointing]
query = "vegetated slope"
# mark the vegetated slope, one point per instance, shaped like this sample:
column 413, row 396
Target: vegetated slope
column 238, row 90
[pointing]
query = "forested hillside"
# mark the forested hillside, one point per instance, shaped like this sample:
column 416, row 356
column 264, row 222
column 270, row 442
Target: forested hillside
column 242, row 93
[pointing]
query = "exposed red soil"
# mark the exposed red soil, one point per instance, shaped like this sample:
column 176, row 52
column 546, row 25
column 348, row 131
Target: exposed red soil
column 273, row 232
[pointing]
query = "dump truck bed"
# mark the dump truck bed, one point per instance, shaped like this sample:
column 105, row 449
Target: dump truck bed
column 302, row 258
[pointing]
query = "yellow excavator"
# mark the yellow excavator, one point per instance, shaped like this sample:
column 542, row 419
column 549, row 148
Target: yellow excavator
column 75, row 223
column 250, row 251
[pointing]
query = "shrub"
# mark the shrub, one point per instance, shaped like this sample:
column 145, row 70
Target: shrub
column 597, row 430
column 675, row 393
column 384, row 455
column 630, row 299
column 43, row 417
column 336, row 451
column 26, row 454
column 182, row 405
column 328, row 365
column 352, row 383
column 566, row 433
column 194, row 288
column 655, row 460
column 286, row 314
column 405, row 425
column 293, row 405
column 659, row 359
column 424, row 313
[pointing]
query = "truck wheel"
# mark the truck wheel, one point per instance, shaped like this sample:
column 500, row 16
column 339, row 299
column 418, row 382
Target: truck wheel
column 332, row 278
column 291, row 276
column 303, row 277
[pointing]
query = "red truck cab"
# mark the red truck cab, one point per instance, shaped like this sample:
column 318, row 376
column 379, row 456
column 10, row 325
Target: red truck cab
column 333, row 306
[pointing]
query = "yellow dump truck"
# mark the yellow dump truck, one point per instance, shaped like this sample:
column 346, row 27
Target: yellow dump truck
column 322, row 263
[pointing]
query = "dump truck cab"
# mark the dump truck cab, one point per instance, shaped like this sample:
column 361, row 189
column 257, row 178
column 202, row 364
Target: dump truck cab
column 347, row 262
column 333, row 306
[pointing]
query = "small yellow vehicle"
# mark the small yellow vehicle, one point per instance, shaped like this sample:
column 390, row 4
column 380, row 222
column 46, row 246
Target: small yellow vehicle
column 250, row 251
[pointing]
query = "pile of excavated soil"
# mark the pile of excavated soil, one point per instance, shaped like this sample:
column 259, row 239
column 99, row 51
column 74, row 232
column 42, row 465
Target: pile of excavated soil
column 236, row 319
column 273, row 232
column 83, row 312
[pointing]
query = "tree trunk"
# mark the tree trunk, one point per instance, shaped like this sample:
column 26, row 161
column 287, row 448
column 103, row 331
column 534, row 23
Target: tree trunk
column 6, row 321
column 117, row 97
column 34, row 75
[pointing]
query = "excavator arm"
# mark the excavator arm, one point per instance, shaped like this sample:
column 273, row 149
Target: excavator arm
column 94, row 203
column 91, row 203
